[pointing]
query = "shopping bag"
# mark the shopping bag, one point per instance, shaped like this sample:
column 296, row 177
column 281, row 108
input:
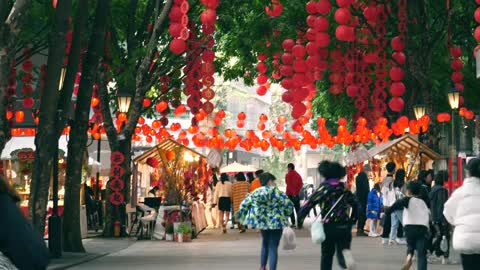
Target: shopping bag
column 5, row 263
column 317, row 232
column 289, row 241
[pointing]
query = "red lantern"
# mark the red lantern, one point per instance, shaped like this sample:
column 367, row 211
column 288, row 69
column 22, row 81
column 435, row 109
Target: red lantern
column 146, row 102
column 342, row 16
column 345, row 33
column 397, row 89
column 275, row 11
column 324, row 6
column 397, row 43
column 170, row 155
column 396, row 104
column 162, row 106
column 397, row 74
column 28, row 102
column 242, row 116
column 178, row 46
column 19, row 116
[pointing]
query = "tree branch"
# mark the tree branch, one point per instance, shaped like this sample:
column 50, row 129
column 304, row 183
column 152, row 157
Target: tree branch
column 132, row 10
column 142, row 71
column 14, row 19
column 65, row 100
column 106, row 112
column 142, row 32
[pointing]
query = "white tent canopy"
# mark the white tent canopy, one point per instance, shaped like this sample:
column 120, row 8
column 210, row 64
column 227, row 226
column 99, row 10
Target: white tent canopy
column 17, row 143
column 237, row 167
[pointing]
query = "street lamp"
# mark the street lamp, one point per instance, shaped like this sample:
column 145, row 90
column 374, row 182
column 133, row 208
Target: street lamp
column 420, row 110
column 54, row 221
column 454, row 101
column 124, row 100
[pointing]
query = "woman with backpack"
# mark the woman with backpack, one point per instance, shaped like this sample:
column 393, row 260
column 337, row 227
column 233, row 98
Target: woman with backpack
column 335, row 199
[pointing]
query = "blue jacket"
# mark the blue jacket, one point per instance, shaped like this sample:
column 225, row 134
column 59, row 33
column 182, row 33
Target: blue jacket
column 374, row 205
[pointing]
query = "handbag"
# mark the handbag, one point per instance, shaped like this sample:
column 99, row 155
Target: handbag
column 289, row 241
column 5, row 263
column 317, row 231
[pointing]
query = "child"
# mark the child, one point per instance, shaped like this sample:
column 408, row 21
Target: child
column 416, row 217
column 374, row 207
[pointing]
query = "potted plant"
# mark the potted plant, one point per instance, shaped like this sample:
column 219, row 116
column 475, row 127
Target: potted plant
column 180, row 232
column 169, row 232
column 187, row 232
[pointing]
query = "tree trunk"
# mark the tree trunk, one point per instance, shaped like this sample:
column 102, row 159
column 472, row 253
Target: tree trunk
column 48, row 118
column 10, row 26
column 78, row 134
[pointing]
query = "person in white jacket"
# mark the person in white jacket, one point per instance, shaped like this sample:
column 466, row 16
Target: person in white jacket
column 462, row 211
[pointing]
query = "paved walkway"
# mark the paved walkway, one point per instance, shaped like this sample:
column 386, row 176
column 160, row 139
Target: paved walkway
column 214, row 251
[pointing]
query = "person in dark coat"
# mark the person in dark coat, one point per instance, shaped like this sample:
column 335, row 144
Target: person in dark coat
column 19, row 241
column 425, row 178
column 440, row 227
column 363, row 189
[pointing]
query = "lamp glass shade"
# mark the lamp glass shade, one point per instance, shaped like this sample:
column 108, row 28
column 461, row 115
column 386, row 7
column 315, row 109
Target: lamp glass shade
column 454, row 99
column 63, row 71
column 477, row 62
column 419, row 111
column 124, row 103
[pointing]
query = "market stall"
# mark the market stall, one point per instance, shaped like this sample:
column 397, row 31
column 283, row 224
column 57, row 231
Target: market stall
column 170, row 180
column 407, row 153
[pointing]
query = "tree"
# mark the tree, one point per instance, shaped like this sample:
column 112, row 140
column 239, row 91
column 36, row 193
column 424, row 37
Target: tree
column 12, row 21
column 78, row 133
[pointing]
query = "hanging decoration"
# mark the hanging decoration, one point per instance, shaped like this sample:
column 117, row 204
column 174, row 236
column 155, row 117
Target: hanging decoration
column 178, row 26
column 397, row 88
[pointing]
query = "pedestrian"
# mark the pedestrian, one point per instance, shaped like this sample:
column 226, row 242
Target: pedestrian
column 416, row 217
column 338, row 225
column 294, row 187
column 240, row 190
column 256, row 182
column 425, row 178
column 223, row 198
column 441, row 229
column 268, row 209
column 20, row 243
column 361, row 182
column 397, row 216
column 210, row 212
column 388, row 193
column 374, row 209
column 250, row 177
column 462, row 211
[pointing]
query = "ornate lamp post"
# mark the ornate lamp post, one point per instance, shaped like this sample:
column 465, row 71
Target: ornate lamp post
column 54, row 221
column 420, row 110
column 453, row 100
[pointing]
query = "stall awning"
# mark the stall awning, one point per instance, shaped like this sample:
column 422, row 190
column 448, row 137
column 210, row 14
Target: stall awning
column 28, row 142
column 166, row 145
column 237, row 167
column 403, row 145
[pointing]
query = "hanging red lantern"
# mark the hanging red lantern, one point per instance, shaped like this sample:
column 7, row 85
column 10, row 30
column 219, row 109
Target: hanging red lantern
column 178, row 46
column 396, row 104
column 275, row 10
column 19, row 116
column 146, row 102
column 342, row 16
column 324, row 6
column 28, row 102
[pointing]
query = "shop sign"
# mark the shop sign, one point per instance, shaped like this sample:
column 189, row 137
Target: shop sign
column 117, row 158
column 26, row 156
column 117, row 171
column 116, row 198
column 116, row 184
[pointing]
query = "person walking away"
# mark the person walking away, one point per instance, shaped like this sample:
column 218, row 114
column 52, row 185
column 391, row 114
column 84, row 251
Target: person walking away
column 250, row 177
column 240, row 190
column 223, row 198
column 416, row 223
column 441, row 229
column 268, row 209
column 374, row 209
column 462, row 211
column 425, row 178
column 294, row 187
column 388, row 193
column 19, row 241
column 397, row 216
column 256, row 182
column 209, row 202
column 361, row 182
column 338, row 225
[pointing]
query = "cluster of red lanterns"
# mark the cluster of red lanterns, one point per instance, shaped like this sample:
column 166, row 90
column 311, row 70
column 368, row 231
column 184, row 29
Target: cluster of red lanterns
column 27, row 78
column 402, row 124
column 97, row 117
column 193, row 74
column 275, row 8
column 397, row 88
column 262, row 119
column 345, row 30
column 466, row 113
column 241, row 117
column 443, row 117
column 178, row 26
column 378, row 15
column 262, row 78
column 457, row 75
